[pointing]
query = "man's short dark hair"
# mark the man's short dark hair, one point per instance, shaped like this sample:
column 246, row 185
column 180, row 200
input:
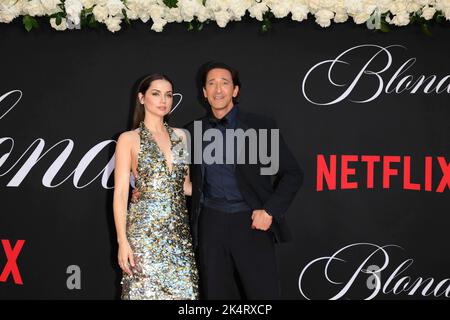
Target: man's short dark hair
column 220, row 65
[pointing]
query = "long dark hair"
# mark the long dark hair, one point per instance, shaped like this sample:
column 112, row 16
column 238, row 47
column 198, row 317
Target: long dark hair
column 139, row 111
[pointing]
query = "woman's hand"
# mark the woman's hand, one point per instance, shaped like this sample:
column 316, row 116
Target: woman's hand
column 125, row 257
column 135, row 194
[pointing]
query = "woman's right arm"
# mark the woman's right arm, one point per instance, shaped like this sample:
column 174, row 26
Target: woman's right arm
column 120, row 202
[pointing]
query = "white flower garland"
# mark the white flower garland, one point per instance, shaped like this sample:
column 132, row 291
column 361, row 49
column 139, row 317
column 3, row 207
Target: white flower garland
column 68, row 14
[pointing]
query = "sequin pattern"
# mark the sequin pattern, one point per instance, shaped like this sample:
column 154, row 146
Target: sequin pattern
column 158, row 226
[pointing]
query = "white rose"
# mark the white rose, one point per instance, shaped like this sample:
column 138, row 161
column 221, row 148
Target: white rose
column 361, row 17
column 133, row 9
column 323, row 17
column 132, row 15
column 73, row 10
column 114, row 7
column 8, row 12
column 222, row 18
column 280, row 9
column 257, row 10
column 299, row 12
column 314, row 5
column 113, row 24
column 88, row 3
column 444, row 6
column 100, row 13
column 327, row 4
column 34, row 8
column 239, row 8
column 158, row 25
column 7, row 15
column 424, row 2
column 428, row 12
column 51, row 6
column 203, row 14
column 398, row 6
column 401, row 19
column 217, row 5
column 61, row 27
column 340, row 16
column 383, row 5
column 173, row 14
column 156, row 13
column 188, row 9
column 144, row 17
column 353, row 6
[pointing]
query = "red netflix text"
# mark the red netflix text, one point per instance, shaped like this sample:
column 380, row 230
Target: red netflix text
column 361, row 171
column 11, row 268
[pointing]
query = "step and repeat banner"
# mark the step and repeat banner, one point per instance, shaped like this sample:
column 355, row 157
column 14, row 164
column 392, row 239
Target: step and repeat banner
column 366, row 115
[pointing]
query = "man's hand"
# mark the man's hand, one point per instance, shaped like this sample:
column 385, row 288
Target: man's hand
column 261, row 220
column 135, row 195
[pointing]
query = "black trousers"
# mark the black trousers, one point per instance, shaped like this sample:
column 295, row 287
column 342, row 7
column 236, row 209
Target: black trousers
column 235, row 261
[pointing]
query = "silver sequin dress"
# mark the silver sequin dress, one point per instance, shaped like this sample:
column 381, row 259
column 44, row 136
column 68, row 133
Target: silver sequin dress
column 158, row 226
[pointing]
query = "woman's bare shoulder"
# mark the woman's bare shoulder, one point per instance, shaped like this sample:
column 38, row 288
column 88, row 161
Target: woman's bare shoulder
column 129, row 137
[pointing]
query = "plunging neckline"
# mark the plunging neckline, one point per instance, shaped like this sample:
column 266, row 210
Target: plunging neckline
column 161, row 153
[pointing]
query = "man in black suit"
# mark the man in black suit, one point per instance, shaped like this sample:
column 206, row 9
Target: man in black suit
column 238, row 213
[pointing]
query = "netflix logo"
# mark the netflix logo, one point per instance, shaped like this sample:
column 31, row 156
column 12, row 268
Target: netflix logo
column 10, row 268
column 363, row 172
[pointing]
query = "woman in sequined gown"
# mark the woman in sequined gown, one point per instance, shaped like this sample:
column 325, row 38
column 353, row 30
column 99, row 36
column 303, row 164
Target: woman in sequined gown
column 155, row 246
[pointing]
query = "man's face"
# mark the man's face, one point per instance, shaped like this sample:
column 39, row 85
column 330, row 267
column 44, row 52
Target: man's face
column 219, row 89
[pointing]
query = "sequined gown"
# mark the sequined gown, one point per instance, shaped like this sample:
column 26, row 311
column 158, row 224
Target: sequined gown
column 158, row 226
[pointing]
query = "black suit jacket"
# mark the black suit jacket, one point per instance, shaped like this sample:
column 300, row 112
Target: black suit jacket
column 272, row 193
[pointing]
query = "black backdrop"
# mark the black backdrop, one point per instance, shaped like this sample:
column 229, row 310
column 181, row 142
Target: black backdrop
column 78, row 85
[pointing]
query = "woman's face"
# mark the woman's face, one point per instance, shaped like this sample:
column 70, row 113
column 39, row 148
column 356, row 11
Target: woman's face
column 158, row 98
